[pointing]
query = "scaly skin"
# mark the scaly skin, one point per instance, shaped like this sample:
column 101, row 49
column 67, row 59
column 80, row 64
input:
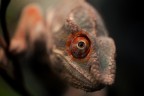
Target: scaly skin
column 76, row 40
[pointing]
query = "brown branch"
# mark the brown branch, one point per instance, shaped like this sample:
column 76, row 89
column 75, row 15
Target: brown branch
column 3, row 43
column 4, row 4
column 17, row 83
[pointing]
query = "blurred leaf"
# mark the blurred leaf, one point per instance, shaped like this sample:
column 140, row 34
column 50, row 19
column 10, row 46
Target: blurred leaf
column 5, row 90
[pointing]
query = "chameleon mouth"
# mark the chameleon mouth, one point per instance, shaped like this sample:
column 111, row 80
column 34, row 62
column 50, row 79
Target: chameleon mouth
column 91, row 87
column 78, row 77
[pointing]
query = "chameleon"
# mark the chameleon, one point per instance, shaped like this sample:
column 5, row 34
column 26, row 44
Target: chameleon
column 78, row 46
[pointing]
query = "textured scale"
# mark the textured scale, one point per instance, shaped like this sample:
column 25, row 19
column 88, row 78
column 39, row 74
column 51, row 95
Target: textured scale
column 76, row 40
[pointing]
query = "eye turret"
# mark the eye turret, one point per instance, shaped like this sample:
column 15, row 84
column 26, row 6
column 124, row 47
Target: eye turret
column 79, row 46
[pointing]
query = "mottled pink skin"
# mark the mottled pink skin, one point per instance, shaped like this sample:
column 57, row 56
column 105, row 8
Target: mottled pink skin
column 30, row 22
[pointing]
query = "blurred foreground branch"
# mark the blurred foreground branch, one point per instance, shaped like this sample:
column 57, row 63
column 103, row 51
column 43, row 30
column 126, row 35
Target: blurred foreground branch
column 17, row 82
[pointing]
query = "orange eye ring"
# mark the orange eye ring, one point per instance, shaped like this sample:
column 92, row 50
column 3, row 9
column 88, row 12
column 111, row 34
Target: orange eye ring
column 80, row 46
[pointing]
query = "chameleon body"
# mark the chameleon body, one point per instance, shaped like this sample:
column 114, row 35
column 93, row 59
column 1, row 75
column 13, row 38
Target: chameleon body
column 78, row 46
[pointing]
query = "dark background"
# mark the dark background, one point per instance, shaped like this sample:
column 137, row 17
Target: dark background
column 124, row 21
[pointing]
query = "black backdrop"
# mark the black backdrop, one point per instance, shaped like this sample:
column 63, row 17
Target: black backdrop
column 124, row 21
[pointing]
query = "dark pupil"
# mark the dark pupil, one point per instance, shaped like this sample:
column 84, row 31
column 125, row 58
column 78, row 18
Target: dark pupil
column 81, row 44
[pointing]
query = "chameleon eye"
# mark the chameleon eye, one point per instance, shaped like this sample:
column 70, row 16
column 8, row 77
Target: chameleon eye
column 80, row 46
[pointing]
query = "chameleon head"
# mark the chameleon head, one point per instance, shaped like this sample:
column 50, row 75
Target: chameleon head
column 77, row 42
column 84, row 50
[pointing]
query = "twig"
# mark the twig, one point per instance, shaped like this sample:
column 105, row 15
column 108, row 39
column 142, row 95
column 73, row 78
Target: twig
column 17, row 84
column 2, row 43
column 4, row 4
